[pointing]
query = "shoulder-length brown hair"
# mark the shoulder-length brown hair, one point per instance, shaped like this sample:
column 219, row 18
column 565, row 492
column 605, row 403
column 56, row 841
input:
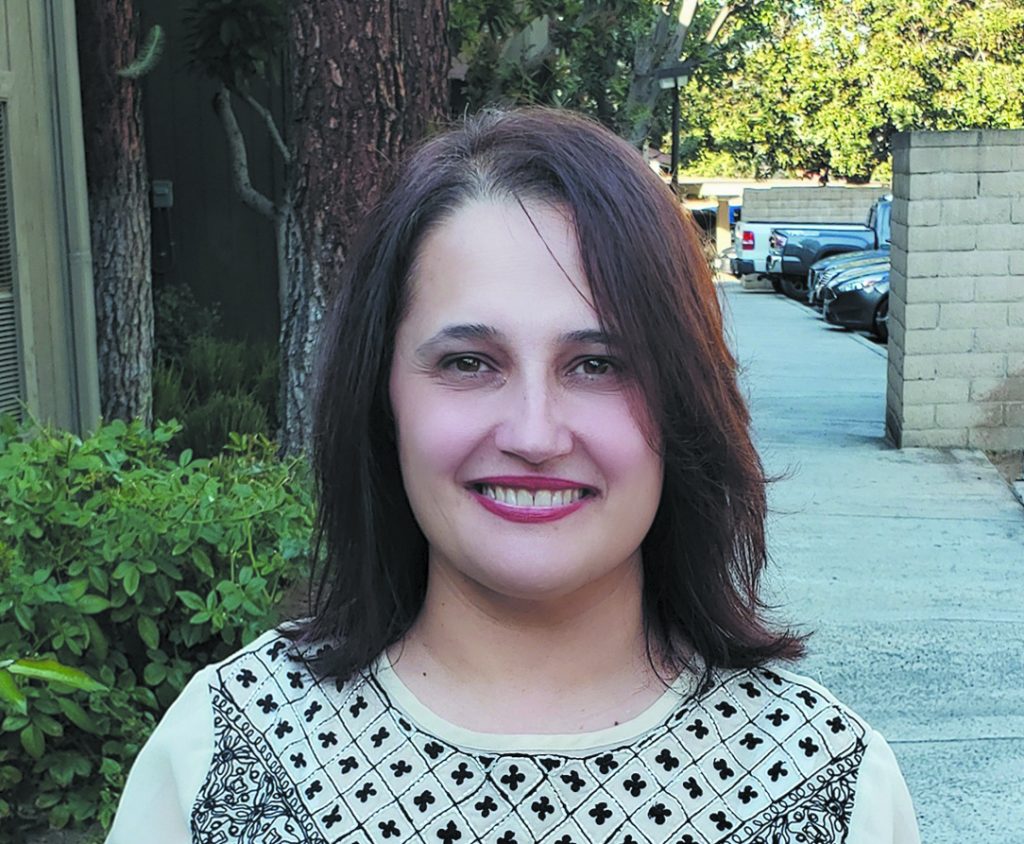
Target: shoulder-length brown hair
column 652, row 287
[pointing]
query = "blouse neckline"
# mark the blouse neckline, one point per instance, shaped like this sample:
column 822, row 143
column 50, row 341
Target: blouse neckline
column 658, row 712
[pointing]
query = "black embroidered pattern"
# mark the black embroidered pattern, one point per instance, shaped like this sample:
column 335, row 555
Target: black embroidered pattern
column 758, row 758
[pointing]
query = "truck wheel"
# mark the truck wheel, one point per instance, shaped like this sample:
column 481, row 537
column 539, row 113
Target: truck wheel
column 795, row 288
column 776, row 284
column 880, row 321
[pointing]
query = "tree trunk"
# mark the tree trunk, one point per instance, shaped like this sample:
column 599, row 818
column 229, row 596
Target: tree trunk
column 366, row 81
column 118, row 181
column 660, row 48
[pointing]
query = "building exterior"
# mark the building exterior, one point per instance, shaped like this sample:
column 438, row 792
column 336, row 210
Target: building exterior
column 47, row 320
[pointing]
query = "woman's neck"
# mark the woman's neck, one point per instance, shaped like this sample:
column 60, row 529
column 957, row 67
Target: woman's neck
column 491, row 664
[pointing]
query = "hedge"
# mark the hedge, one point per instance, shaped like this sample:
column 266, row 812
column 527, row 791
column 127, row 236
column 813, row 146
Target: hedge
column 128, row 568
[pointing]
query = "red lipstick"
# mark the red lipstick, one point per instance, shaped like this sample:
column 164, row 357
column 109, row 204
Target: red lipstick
column 529, row 515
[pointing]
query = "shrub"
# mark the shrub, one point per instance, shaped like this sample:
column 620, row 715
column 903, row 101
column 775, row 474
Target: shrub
column 178, row 318
column 135, row 568
column 218, row 387
column 211, row 423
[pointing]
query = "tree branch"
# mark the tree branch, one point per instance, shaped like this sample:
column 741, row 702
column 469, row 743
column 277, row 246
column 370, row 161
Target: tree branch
column 239, row 157
column 271, row 124
column 716, row 25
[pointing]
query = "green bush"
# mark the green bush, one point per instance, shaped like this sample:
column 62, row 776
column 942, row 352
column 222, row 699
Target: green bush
column 136, row 569
column 211, row 423
column 178, row 318
column 218, row 387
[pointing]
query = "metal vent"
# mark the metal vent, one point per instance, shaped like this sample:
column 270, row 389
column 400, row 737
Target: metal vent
column 10, row 366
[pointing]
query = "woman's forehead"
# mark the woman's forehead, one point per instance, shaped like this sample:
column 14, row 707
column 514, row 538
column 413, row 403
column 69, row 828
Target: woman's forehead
column 494, row 261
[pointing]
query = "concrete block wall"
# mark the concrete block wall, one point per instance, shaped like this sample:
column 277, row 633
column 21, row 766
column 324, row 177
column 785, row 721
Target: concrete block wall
column 956, row 305
column 811, row 204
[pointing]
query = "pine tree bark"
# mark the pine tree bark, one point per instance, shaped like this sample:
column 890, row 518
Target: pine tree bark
column 367, row 80
column 118, row 184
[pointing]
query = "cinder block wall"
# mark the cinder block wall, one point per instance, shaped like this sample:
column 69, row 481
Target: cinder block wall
column 809, row 204
column 956, row 306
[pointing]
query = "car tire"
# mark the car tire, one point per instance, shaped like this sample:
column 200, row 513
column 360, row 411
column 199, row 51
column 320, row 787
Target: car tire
column 880, row 321
column 794, row 289
column 776, row 284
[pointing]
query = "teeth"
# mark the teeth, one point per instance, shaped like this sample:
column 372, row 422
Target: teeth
column 526, row 498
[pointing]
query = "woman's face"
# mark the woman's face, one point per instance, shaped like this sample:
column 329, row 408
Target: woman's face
column 521, row 452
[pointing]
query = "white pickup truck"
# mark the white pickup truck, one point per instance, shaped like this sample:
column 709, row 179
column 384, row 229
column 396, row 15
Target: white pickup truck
column 750, row 241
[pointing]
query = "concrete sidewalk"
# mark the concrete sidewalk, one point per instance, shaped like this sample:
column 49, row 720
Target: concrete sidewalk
column 908, row 565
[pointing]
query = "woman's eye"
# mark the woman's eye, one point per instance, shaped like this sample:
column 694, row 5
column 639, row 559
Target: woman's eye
column 595, row 366
column 467, row 364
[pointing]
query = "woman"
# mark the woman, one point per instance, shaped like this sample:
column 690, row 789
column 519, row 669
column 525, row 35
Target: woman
column 543, row 523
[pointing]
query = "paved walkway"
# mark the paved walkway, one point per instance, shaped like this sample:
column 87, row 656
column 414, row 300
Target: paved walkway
column 908, row 564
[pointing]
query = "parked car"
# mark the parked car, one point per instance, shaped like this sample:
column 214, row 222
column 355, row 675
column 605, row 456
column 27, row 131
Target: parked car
column 860, row 302
column 822, row 272
column 751, row 242
column 792, row 251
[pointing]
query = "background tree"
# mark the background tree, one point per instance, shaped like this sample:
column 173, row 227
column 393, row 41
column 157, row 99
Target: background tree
column 118, row 184
column 364, row 81
column 601, row 56
column 838, row 77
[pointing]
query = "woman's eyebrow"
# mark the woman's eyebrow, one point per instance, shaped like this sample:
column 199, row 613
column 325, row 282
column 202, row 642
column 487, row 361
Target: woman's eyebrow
column 464, row 331
column 593, row 336
column 479, row 331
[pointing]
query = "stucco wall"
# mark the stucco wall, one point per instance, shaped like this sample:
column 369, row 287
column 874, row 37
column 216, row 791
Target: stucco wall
column 956, row 311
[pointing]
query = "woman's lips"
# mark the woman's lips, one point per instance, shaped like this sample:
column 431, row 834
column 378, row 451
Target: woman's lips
column 532, row 499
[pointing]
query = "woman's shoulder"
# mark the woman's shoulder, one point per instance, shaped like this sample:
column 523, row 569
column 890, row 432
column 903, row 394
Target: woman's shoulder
column 787, row 709
column 277, row 667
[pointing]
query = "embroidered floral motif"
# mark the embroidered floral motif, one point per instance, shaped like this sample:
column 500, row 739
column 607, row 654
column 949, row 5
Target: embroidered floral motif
column 250, row 797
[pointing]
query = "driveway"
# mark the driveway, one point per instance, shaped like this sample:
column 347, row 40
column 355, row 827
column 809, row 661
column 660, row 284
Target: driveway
column 907, row 564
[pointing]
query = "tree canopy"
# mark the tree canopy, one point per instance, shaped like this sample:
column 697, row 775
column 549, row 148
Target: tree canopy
column 775, row 85
column 838, row 77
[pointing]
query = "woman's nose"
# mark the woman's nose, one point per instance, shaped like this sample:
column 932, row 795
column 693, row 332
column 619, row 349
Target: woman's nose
column 534, row 426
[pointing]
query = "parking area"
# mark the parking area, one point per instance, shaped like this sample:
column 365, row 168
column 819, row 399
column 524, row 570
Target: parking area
column 906, row 563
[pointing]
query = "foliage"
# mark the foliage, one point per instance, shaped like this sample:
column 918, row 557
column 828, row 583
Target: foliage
column 210, row 424
column 839, row 77
column 133, row 569
column 215, row 387
column 582, row 53
column 178, row 318
column 235, row 41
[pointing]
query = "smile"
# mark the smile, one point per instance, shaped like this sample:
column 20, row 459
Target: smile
column 531, row 500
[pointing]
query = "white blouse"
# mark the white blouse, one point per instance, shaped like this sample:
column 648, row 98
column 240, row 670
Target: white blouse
column 256, row 749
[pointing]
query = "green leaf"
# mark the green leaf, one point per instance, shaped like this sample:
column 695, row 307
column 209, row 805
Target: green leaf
column 33, row 741
column 185, row 457
column 97, row 640
column 92, row 604
column 51, row 671
column 131, row 581
column 47, row 801
column 10, row 692
column 148, row 631
column 191, row 600
column 13, row 723
column 201, row 560
column 77, row 715
column 59, row 817
column 25, row 617
column 74, row 590
column 154, row 674
column 49, row 726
